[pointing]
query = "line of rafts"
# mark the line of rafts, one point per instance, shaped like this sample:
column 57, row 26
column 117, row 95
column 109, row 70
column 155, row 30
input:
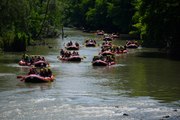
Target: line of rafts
column 101, row 32
column 110, row 37
column 39, row 69
column 33, row 60
column 73, row 56
column 107, row 37
column 101, row 60
column 106, row 56
column 108, row 48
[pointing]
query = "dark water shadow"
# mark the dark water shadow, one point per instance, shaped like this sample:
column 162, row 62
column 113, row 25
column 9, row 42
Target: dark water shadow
column 158, row 55
column 153, row 55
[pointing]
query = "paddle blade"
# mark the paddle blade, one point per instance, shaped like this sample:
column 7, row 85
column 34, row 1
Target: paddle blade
column 19, row 76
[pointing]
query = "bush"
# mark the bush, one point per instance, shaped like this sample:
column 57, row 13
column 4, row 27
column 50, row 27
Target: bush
column 12, row 41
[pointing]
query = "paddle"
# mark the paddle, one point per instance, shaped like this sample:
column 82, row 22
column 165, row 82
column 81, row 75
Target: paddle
column 20, row 76
column 22, row 79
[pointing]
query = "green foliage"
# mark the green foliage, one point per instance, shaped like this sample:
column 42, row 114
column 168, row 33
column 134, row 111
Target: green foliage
column 110, row 15
column 121, row 12
column 157, row 22
column 32, row 19
column 13, row 41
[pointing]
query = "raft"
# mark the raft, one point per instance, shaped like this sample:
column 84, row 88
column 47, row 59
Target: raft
column 100, row 33
column 40, row 63
column 72, row 47
column 106, row 45
column 102, row 63
column 121, row 51
column 106, row 53
column 107, row 39
column 90, row 44
column 132, row 45
column 114, row 36
column 71, row 58
column 33, row 78
column 24, row 63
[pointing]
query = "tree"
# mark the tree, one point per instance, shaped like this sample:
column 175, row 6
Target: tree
column 23, row 20
column 110, row 15
column 158, row 23
column 121, row 12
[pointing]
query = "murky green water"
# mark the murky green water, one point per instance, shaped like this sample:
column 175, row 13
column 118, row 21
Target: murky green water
column 142, row 85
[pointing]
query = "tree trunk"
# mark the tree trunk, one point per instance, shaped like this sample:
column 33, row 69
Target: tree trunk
column 47, row 7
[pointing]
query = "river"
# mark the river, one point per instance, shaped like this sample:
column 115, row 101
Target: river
column 143, row 85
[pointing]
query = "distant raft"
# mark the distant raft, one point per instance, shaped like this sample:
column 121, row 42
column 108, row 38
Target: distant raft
column 102, row 63
column 132, row 44
column 90, row 43
column 72, row 47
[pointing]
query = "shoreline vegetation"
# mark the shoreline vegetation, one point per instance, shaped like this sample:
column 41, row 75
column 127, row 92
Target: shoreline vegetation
column 26, row 22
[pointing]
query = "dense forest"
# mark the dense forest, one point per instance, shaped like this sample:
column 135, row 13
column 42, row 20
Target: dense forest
column 155, row 21
column 23, row 21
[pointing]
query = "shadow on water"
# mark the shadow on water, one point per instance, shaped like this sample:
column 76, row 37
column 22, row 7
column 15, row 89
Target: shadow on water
column 153, row 55
column 41, row 86
column 158, row 54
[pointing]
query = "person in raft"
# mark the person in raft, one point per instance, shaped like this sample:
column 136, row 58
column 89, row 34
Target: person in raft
column 45, row 72
column 32, row 71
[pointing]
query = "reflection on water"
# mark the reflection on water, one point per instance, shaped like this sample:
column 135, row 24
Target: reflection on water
column 139, row 86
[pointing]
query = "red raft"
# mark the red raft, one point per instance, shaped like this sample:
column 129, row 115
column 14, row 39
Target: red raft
column 100, row 32
column 33, row 78
column 106, row 45
column 90, row 44
column 24, row 63
column 39, row 63
column 121, row 51
column 132, row 45
column 75, row 58
column 106, row 53
column 107, row 38
column 72, row 47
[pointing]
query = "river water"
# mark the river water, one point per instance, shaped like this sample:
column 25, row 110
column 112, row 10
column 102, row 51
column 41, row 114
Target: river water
column 142, row 85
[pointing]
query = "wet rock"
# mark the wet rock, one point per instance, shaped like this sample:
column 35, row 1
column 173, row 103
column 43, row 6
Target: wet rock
column 175, row 110
column 116, row 106
column 167, row 116
column 49, row 47
column 125, row 114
